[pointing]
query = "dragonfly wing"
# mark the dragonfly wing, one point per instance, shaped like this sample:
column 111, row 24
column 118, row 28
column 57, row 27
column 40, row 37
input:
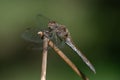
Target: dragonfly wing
column 71, row 45
column 30, row 34
column 42, row 21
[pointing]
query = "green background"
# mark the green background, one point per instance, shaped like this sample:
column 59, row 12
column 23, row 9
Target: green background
column 94, row 26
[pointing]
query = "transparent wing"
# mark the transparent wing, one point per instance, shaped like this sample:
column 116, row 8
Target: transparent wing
column 42, row 21
column 30, row 33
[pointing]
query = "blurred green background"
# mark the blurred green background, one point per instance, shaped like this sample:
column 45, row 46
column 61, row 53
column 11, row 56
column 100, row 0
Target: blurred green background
column 94, row 26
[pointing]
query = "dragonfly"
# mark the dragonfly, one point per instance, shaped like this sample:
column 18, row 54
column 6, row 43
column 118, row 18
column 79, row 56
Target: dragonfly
column 55, row 32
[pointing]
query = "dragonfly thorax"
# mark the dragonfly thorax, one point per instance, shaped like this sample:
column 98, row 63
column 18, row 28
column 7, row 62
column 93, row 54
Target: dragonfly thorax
column 52, row 25
column 62, row 32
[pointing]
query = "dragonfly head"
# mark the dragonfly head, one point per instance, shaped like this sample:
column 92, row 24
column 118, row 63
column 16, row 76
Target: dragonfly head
column 52, row 25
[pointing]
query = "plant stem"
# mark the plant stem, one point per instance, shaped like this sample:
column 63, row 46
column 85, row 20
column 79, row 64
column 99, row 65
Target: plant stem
column 63, row 56
column 67, row 60
column 44, row 58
